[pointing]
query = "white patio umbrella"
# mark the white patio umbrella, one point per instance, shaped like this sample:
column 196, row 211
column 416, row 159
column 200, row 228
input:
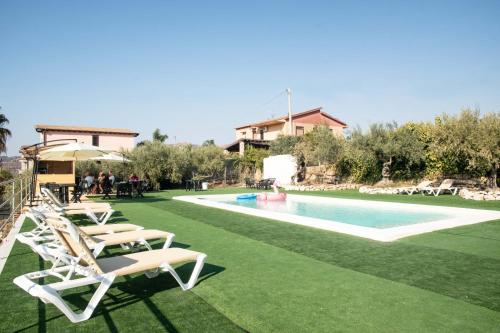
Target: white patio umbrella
column 72, row 152
column 112, row 157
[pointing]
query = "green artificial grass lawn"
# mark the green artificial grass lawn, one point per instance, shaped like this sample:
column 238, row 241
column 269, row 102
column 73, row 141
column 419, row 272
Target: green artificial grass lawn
column 263, row 275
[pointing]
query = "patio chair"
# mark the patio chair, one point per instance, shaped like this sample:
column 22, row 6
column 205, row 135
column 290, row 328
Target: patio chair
column 266, row 183
column 415, row 189
column 445, row 186
column 83, row 269
column 77, row 193
column 250, row 183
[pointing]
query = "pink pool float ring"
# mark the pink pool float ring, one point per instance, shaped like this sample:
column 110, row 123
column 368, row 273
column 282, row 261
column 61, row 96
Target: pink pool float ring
column 271, row 196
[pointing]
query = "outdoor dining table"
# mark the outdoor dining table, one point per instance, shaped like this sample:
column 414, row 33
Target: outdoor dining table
column 128, row 189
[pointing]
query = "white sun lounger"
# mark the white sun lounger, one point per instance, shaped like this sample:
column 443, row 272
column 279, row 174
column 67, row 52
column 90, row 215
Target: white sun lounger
column 98, row 212
column 415, row 189
column 83, row 269
column 45, row 246
column 42, row 232
column 55, row 200
column 445, row 186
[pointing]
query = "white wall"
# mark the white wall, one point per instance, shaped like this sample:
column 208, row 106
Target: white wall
column 281, row 167
column 114, row 142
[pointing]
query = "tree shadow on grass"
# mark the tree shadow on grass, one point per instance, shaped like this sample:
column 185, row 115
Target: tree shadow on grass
column 126, row 292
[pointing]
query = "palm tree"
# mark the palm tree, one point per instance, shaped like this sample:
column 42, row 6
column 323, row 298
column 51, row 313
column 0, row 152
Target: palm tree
column 157, row 136
column 4, row 133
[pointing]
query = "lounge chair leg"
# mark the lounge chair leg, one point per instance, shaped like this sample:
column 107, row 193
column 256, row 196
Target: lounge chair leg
column 91, row 215
column 168, row 241
column 49, row 294
column 99, row 220
column 200, row 261
column 105, row 217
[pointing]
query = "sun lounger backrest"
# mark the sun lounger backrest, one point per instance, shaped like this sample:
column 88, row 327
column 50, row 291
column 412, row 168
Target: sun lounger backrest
column 53, row 222
column 52, row 196
column 447, row 183
column 425, row 183
column 74, row 241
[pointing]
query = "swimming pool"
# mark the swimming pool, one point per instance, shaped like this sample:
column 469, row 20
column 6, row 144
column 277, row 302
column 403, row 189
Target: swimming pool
column 383, row 221
column 344, row 212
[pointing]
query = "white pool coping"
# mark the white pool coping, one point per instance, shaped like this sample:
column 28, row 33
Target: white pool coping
column 460, row 216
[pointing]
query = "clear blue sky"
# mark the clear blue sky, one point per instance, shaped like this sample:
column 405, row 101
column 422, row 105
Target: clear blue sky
column 197, row 69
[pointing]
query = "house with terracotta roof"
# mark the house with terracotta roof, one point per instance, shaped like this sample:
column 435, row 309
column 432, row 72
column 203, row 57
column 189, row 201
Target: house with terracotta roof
column 261, row 133
column 116, row 139
column 63, row 172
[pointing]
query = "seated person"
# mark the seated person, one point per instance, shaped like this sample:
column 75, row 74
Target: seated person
column 111, row 178
column 101, row 181
column 89, row 181
column 133, row 178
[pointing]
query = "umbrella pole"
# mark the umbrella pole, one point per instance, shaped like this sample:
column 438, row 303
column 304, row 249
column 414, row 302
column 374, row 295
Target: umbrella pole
column 34, row 178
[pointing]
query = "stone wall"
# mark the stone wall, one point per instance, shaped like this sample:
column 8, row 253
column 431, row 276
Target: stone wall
column 480, row 195
column 322, row 187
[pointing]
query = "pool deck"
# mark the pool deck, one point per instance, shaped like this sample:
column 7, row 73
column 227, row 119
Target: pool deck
column 460, row 216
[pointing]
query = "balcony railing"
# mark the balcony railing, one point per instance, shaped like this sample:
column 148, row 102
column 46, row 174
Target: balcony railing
column 13, row 195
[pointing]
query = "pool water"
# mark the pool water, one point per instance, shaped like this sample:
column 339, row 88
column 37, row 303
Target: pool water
column 351, row 214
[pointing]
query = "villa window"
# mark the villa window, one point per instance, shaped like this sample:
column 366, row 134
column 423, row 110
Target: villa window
column 299, row 130
column 95, row 140
column 55, row 167
column 244, row 134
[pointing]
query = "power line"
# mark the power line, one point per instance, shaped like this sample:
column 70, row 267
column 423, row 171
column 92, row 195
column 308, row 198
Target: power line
column 273, row 98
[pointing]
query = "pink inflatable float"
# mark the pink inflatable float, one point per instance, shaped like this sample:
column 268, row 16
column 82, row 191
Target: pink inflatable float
column 271, row 196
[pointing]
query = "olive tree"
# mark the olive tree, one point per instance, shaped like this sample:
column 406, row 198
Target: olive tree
column 487, row 137
column 208, row 160
column 155, row 159
column 456, row 143
column 284, row 144
column 319, row 147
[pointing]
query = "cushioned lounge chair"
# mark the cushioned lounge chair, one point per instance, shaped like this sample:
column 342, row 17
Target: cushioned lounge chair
column 83, row 269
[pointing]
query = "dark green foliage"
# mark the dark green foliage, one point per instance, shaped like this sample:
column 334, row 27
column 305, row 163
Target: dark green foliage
column 284, row 144
column 319, row 147
column 252, row 160
column 4, row 133
column 163, row 163
column 467, row 145
column 5, row 175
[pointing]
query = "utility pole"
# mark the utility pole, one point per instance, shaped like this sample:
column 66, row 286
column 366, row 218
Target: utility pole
column 290, row 126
